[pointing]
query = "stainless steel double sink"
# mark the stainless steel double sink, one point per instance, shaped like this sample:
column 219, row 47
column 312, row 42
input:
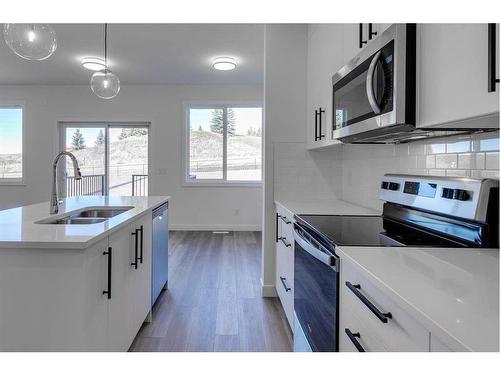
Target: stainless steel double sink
column 91, row 215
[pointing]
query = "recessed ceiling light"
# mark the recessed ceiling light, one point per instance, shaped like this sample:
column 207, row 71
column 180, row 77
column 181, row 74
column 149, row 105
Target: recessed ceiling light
column 224, row 63
column 93, row 63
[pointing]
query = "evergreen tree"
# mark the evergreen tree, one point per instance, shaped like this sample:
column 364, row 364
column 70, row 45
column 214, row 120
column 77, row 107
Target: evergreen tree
column 77, row 141
column 231, row 122
column 217, row 121
column 200, row 128
column 100, row 138
column 132, row 132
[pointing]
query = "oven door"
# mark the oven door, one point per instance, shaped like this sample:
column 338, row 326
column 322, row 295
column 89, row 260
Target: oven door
column 365, row 93
column 316, row 281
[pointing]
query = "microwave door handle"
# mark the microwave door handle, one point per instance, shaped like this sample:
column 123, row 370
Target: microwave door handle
column 369, row 84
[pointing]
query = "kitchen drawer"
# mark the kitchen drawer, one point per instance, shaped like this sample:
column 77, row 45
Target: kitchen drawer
column 400, row 333
column 368, row 339
column 284, row 279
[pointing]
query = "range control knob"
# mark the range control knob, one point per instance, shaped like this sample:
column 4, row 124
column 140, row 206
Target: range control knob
column 448, row 193
column 393, row 186
column 461, row 195
column 385, row 185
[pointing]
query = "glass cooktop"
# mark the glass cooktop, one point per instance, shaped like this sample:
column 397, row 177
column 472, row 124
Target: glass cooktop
column 350, row 230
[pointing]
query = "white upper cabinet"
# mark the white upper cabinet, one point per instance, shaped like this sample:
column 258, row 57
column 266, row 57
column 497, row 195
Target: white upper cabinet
column 324, row 59
column 452, row 68
column 357, row 36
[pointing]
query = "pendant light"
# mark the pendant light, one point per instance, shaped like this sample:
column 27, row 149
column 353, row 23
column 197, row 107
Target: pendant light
column 31, row 41
column 104, row 83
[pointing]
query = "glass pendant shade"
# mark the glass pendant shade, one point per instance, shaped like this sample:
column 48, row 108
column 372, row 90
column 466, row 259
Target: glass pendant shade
column 31, row 41
column 105, row 84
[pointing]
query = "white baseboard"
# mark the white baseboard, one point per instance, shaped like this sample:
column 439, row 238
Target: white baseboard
column 216, row 227
column 268, row 290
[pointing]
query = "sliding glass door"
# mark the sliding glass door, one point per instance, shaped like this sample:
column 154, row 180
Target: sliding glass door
column 113, row 159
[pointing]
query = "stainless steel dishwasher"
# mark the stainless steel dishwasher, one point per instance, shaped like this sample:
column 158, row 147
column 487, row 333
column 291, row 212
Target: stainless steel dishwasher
column 160, row 251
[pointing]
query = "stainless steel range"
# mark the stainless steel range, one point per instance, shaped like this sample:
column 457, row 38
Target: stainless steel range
column 419, row 211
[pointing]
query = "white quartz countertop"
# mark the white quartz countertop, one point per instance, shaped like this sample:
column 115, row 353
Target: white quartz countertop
column 18, row 227
column 324, row 207
column 454, row 293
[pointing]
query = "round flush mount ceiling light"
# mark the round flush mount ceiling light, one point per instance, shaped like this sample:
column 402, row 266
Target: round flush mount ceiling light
column 31, row 41
column 224, row 63
column 93, row 63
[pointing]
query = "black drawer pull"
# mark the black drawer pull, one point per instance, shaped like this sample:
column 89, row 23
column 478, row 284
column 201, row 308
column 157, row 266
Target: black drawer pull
column 141, row 229
column 136, row 248
column 285, row 220
column 283, row 239
column 109, row 254
column 356, row 290
column 492, row 55
column 287, row 289
column 354, row 339
column 277, row 224
column 320, row 136
column 316, row 125
column 361, row 41
column 371, row 33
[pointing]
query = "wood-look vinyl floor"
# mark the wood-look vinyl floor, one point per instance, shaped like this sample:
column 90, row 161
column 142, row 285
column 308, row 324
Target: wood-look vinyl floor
column 213, row 301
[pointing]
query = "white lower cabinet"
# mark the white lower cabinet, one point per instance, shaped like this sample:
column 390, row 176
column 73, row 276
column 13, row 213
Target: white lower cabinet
column 56, row 299
column 130, row 300
column 371, row 321
column 284, row 261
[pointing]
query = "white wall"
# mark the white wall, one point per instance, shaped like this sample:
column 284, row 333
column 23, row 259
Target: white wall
column 191, row 207
column 285, row 118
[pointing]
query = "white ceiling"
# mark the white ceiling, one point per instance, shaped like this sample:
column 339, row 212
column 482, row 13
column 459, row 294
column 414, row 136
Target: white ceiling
column 145, row 54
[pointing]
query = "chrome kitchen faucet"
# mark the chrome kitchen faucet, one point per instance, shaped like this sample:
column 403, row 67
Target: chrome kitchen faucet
column 54, row 199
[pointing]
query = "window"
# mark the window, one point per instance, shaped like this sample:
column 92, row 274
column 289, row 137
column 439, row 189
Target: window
column 11, row 144
column 224, row 144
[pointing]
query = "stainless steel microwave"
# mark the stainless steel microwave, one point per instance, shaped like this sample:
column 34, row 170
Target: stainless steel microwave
column 374, row 94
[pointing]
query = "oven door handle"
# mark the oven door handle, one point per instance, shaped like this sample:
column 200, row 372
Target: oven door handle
column 369, row 84
column 329, row 260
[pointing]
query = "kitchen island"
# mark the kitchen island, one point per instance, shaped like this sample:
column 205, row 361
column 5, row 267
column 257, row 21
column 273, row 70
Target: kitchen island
column 75, row 287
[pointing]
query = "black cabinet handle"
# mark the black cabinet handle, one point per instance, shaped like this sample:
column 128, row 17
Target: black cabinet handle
column 277, row 223
column 371, row 33
column 361, row 41
column 136, row 249
column 287, row 289
column 492, row 56
column 354, row 339
column 321, row 136
column 316, row 125
column 283, row 239
column 379, row 314
column 141, row 230
column 109, row 254
column 285, row 220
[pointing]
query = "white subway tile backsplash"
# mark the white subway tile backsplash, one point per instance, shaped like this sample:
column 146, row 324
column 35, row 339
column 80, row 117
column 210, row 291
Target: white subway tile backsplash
column 430, row 161
column 446, row 161
column 458, row 172
column 492, row 160
column 437, row 172
column 353, row 172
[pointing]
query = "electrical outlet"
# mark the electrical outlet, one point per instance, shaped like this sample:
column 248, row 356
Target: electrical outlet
column 162, row 171
column 236, row 212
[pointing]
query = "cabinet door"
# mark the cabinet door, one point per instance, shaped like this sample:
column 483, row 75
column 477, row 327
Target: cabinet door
column 350, row 37
column 141, row 285
column 324, row 59
column 121, row 302
column 453, row 73
column 95, row 303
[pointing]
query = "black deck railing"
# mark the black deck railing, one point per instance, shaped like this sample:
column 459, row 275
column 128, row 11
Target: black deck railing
column 88, row 185
column 139, row 184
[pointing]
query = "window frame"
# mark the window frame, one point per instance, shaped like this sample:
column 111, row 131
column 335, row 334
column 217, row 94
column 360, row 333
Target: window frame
column 17, row 181
column 224, row 182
